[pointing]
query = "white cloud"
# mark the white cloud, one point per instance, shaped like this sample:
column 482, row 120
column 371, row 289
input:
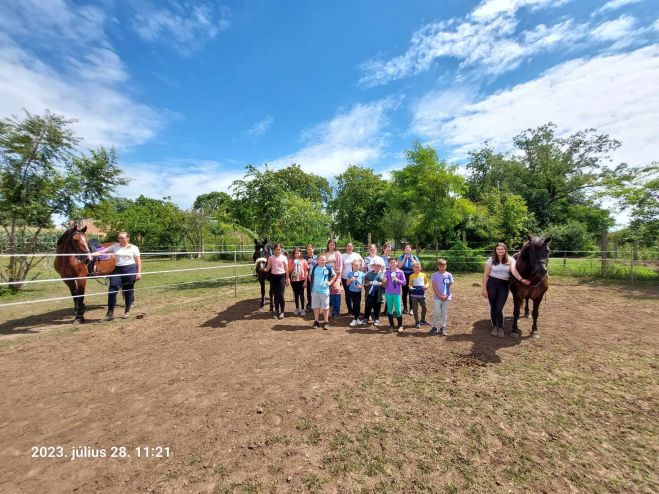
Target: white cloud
column 617, row 29
column 186, row 26
column 71, row 69
column 182, row 180
column 616, row 94
column 260, row 128
column 615, row 4
column 490, row 9
column 356, row 136
column 489, row 39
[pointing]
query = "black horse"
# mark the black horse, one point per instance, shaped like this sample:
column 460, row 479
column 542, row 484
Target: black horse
column 263, row 250
column 532, row 262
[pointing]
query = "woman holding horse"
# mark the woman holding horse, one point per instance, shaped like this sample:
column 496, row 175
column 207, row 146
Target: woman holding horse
column 496, row 284
column 279, row 278
column 127, row 270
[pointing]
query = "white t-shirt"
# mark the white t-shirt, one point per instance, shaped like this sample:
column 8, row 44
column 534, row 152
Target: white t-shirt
column 501, row 271
column 370, row 261
column 347, row 263
column 125, row 256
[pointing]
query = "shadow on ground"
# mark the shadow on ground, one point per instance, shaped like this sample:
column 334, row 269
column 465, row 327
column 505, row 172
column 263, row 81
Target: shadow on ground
column 243, row 310
column 35, row 323
column 484, row 347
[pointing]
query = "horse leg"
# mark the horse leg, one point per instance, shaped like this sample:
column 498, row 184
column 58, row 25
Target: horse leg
column 526, row 309
column 80, row 300
column 262, row 283
column 72, row 288
column 517, row 302
column 536, row 311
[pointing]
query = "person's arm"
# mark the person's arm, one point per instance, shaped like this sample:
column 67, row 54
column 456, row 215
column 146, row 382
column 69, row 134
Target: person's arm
column 268, row 265
column 401, row 278
column 486, row 273
column 104, row 250
column 401, row 261
column 435, row 290
column 138, row 263
column 515, row 273
column 287, row 274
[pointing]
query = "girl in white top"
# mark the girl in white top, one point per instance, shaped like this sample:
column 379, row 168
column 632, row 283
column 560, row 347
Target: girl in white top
column 127, row 270
column 496, row 276
column 372, row 259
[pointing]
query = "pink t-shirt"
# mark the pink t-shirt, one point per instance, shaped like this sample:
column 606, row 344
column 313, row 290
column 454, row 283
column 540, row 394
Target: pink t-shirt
column 278, row 264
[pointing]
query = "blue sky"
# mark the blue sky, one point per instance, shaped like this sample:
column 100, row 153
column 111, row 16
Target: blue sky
column 191, row 91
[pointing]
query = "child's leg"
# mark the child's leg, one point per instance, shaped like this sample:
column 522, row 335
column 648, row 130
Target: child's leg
column 444, row 312
column 436, row 313
column 368, row 306
column 424, row 309
column 396, row 303
column 356, row 304
column 376, row 309
column 415, row 308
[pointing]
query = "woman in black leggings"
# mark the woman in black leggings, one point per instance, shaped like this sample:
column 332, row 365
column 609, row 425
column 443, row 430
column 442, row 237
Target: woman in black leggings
column 496, row 279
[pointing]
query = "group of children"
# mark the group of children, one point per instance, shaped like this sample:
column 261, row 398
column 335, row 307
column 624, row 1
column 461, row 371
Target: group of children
column 372, row 280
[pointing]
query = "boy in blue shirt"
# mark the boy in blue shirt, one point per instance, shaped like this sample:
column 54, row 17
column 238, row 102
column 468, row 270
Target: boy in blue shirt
column 322, row 276
column 442, row 282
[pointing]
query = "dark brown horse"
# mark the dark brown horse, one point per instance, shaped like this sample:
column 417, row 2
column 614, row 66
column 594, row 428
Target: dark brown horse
column 531, row 264
column 76, row 265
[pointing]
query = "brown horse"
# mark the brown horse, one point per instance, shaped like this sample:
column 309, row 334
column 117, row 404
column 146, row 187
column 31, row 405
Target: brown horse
column 531, row 264
column 77, row 265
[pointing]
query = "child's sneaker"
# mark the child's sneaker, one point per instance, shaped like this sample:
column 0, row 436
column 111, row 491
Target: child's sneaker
column 303, row 312
column 376, row 322
column 433, row 331
column 280, row 316
column 316, row 324
column 364, row 322
column 401, row 330
column 424, row 323
column 417, row 325
column 442, row 332
column 326, row 325
column 353, row 323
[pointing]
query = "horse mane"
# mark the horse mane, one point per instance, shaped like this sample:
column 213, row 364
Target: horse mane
column 534, row 241
column 65, row 236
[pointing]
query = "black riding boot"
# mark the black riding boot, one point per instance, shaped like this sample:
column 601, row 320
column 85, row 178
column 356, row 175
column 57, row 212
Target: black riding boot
column 400, row 322
column 109, row 316
column 391, row 321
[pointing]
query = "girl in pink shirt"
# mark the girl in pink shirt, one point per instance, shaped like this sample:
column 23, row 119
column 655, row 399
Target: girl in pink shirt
column 279, row 279
column 299, row 272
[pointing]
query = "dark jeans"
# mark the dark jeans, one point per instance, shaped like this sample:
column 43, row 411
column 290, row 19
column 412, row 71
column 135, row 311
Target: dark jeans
column 309, row 292
column 406, row 291
column 416, row 301
column 126, row 282
column 298, row 293
column 278, row 284
column 355, row 302
column 347, row 292
column 497, row 294
column 372, row 304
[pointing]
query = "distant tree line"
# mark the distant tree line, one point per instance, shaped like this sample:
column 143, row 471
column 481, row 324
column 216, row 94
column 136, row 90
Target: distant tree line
column 547, row 184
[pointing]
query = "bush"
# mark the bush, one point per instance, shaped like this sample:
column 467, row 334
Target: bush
column 460, row 258
column 571, row 236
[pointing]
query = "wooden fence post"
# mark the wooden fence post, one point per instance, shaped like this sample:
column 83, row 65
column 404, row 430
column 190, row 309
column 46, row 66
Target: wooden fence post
column 235, row 274
column 604, row 248
column 633, row 260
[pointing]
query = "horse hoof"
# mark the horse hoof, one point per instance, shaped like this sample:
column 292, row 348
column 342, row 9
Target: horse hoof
column 78, row 321
column 534, row 334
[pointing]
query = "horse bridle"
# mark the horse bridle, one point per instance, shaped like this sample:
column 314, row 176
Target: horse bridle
column 74, row 245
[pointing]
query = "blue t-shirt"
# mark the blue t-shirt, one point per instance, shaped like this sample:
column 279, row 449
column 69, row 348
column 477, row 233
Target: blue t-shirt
column 407, row 263
column 320, row 278
column 359, row 280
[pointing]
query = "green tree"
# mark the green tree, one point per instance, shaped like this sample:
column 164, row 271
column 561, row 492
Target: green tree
column 359, row 203
column 428, row 188
column 305, row 185
column 303, row 221
column 153, row 224
column 42, row 174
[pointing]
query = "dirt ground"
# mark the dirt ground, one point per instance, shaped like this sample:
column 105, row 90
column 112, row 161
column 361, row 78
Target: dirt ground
column 248, row 404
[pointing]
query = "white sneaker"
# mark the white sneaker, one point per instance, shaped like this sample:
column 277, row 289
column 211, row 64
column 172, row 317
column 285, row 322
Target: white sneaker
column 353, row 323
column 376, row 322
column 303, row 312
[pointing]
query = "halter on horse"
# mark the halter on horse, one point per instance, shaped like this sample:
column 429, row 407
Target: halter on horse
column 531, row 264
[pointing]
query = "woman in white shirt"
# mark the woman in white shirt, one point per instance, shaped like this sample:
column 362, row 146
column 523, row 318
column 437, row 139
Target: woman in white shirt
column 496, row 280
column 129, row 268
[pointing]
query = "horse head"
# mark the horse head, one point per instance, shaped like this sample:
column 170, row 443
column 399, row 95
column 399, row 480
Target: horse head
column 73, row 241
column 261, row 249
column 536, row 252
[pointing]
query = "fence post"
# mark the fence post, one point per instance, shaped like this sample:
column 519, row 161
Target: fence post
column 604, row 247
column 235, row 274
column 634, row 256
